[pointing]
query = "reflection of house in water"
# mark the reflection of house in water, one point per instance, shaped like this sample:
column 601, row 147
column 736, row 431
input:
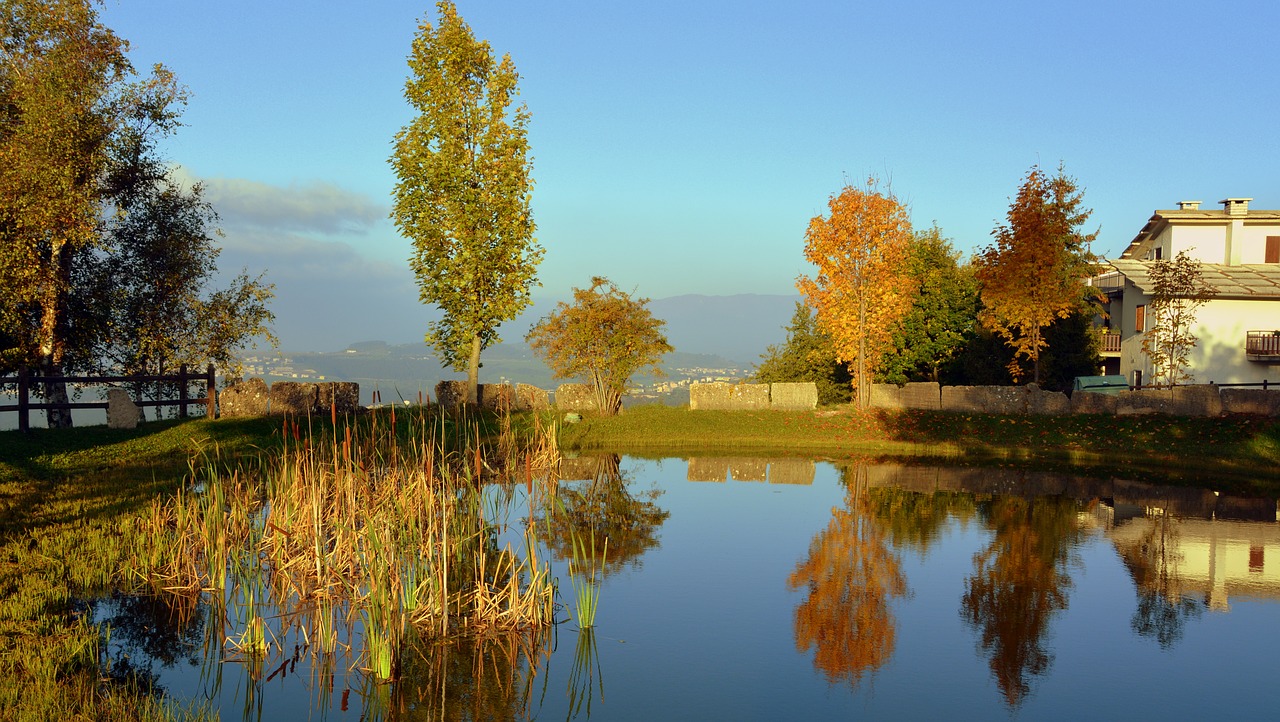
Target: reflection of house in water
column 1176, row 541
column 1214, row 559
column 775, row 471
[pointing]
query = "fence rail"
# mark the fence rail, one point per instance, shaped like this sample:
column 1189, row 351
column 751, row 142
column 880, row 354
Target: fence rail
column 25, row 379
column 1262, row 343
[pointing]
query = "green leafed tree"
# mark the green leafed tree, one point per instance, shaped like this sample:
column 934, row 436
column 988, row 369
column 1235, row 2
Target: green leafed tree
column 105, row 260
column 943, row 314
column 808, row 354
column 1034, row 272
column 1178, row 290
column 463, row 189
column 605, row 336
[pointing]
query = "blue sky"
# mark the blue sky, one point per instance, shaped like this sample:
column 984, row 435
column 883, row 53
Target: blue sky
column 682, row 147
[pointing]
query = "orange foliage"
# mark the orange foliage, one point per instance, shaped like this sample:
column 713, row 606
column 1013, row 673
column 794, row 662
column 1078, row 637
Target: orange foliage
column 851, row 576
column 862, row 287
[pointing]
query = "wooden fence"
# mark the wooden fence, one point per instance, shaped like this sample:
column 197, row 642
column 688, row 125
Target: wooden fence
column 25, row 379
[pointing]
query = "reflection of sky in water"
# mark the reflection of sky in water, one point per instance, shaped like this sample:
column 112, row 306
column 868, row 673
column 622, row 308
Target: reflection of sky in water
column 703, row 625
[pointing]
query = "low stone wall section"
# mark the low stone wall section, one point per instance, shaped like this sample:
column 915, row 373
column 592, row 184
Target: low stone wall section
column 793, row 396
column 724, row 396
column 531, row 398
column 1261, row 402
column 575, row 397
column 254, row 398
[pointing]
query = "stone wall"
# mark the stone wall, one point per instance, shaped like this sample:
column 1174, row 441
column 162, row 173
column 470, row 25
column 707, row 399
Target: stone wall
column 254, row 398
column 1194, row 400
column 751, row 469
column 575, row 397
column 723, row 396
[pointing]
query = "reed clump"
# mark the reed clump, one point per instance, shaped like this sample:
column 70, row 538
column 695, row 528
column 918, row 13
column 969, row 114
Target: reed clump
column 378, row 527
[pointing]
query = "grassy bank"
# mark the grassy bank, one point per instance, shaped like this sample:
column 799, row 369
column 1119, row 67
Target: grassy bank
column 1237, row 453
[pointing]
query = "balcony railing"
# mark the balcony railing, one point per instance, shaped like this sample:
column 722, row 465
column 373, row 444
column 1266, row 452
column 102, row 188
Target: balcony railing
column 1262, row 345
column 1110, row 342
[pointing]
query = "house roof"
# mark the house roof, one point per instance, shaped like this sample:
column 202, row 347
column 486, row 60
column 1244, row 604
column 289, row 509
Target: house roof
column 1258, row 280
column 1157, row 223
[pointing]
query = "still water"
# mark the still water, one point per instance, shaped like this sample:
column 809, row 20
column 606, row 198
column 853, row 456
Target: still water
column 791, row 589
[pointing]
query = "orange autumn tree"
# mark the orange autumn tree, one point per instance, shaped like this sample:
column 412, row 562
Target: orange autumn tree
column 862, row 287
column 1035, row 272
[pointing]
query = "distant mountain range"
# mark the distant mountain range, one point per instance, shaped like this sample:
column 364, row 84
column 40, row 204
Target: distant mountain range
column 735, row 328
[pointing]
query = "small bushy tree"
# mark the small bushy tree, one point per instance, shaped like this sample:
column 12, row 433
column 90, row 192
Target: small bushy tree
column 605, row 336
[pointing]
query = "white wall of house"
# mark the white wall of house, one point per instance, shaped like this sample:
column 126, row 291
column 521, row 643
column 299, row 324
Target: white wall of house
column 1220, row 329
column 1204, row 243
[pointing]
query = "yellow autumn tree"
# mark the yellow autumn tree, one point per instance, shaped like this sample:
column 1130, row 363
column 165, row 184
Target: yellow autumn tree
column 862, row 287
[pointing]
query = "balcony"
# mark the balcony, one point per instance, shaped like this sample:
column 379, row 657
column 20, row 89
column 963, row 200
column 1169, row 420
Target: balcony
column 1110, row 343
column 1262, row 346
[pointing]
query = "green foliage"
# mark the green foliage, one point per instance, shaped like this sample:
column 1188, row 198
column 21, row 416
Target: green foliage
column 943, row 315
column 606, row 337
column 1034, row 272
column 1178, row 291
column 105, row 259
column 1072, row 349
column 463, row 188
column 807, row 355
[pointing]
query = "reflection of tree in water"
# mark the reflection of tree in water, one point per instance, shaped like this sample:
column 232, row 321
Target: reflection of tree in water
column 1163, row 609
column 491, row 678
column 1019, row 581
column 914, row 520
column 601, row 508
column 147, row 630
column 851, row 577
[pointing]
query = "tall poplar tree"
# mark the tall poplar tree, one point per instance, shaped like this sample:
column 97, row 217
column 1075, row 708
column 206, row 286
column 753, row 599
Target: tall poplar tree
column 463, row 191
column 1035, row 272
column 863, row 286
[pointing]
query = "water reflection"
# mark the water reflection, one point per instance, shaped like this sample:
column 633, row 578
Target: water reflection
column 1019, row 582
column 597, row 504
column 851, row 577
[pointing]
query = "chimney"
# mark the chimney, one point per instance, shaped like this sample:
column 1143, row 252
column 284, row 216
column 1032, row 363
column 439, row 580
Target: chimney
column 1235, row 207
column 1188, row 205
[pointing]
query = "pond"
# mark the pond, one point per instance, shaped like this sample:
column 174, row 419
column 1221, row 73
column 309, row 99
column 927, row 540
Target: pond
column 738, row 588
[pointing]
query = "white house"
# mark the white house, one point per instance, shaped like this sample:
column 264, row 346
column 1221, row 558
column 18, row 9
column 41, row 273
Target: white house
column 1239, row 328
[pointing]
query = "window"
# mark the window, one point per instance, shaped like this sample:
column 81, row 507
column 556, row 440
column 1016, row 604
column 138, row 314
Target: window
column 1273, row 249
column 1140, row 319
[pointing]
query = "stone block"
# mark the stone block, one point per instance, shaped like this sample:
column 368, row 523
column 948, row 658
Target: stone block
column 962, row 398
column 531, row 398
column 1197, row 400
column 293, row 398
column 793, row 396
column 921, row 395
column 712, row 396
column 344, row 396
column 712, row 469
column 245, row 399
column 1251, row 401
column 748, row 469
column 1144, row 401
column 122, row 413
column 496, row 397
column 886, row 396
column 451, row 394
column 1047, row 403
column 792, row 471
column 1091, row 402
column 575, row 397
column 747, row 397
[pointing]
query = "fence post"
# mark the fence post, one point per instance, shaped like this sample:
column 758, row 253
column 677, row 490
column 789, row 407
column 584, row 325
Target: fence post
column 24, row 401
column 182, row 391
column 210, row 394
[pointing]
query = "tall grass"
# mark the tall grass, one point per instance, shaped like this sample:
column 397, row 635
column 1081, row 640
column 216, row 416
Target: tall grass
column 383, row 522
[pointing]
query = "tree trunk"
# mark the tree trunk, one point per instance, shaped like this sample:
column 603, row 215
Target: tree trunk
column 52, row 321
column 863, row 386
column 473, row 371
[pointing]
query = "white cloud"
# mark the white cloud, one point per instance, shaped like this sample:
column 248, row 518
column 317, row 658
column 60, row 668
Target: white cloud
column 314, row 207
